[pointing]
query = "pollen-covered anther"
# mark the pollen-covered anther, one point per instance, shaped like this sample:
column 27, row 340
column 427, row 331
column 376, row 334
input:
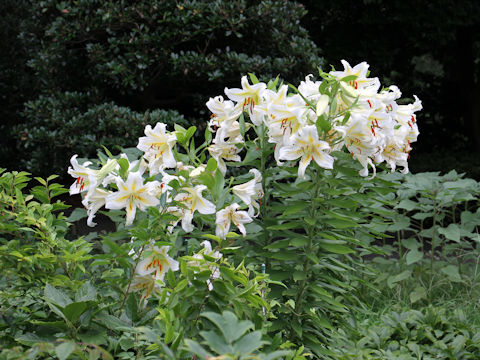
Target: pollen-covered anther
column 354, row 84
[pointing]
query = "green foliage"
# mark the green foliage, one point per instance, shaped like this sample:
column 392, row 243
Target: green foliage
column 428, row 333
column 67, row 123
column 436, row 228
column 86, row 58
column 163, row 43
column 233, row 340
column 73, row 298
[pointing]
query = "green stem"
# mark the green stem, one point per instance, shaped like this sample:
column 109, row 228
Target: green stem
column 264, row 201
column 432, row 258
column 308, row 249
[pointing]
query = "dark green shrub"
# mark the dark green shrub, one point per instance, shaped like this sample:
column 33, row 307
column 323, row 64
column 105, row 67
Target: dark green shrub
column 142, row 56
column 67, row 123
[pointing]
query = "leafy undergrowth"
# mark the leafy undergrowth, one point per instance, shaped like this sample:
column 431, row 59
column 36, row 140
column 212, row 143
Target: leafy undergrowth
column 430, row 332
column 425, row 304
column 67, row 299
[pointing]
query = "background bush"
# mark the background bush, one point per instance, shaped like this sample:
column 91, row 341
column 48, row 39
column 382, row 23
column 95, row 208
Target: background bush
column 67, row 123
column 86, row 57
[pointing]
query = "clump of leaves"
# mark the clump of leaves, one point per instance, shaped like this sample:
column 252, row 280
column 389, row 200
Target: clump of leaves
column 428, row 333
column 435, row 231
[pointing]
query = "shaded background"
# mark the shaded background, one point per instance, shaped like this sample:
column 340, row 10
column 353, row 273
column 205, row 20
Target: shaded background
column 77, row 74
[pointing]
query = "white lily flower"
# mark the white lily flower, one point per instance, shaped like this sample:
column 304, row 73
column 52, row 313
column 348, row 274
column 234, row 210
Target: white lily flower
column 157, row 146
column 249, row 95
column 82, row 173
column 250, row 191
column 223, row 112
column 157, row 263
column 305, row 144
column 406, row 116
column 224, row 151
column 229, row 215
column 359, row 70
column 194, row 201
column 132, row 194
column 396, row 152
column 93, row 201
column 146, row 285
column 309, row 89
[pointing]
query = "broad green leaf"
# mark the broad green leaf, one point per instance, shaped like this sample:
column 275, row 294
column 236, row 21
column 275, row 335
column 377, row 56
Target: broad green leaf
column 86, row 292
column 211, row 165
column 197, row 349
column 131, row 307
column 31, row 339
column 349, row 78
column 341, row 223
column 241, row 122
column 64, row 350
column 279, row 244
column 323, row 125
column 123, row 164
column 392, row 280
column 74, row 310
column 413, row 256
column 299, row 275
column 299, row 241
column 216, row 343
column 407, row 204
column 452, row 272
column 452, row 232
column 295, row 208
column 191, row 130
column 422, row 215
column 400, row 222
column 458, row 344
column 417, row 294
column 253, row 78
column 249, row 343
column 56, row 296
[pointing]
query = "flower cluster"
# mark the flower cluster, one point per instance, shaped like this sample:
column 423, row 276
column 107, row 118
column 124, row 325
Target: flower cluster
column 345, row 110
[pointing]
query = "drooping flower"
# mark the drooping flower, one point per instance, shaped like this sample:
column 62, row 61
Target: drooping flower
column 146, row 285
column 362, row 140
column 406, row 117
column 133, row 194
column 222, row 151
column 82, row 173
column 228, row 215
column 193, row 200
column 93, row 201
column 250, row 192
column 157, row 263
column 306, row 144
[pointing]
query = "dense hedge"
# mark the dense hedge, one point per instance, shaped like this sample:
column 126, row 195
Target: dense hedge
column 143, row 55
column 67, row 123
